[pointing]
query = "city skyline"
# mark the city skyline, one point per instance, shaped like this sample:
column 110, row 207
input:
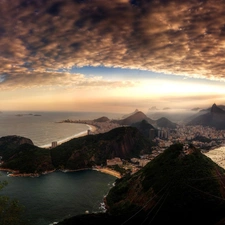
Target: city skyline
column 115, row 56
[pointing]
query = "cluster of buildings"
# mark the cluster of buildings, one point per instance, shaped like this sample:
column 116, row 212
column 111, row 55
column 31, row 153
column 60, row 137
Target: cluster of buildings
column 200, row 136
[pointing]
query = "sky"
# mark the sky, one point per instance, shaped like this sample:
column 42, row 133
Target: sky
column 111, row 56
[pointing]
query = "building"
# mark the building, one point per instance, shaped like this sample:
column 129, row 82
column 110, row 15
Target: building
column 54, row 144
column 114, row 161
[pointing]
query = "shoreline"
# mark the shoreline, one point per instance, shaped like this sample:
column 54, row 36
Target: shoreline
column 108, row 171
column 16, row 173
column 80, row 134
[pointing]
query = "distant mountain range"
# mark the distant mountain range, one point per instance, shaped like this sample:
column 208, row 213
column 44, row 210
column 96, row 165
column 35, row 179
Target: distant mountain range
column 212, row 117
column 139, row 116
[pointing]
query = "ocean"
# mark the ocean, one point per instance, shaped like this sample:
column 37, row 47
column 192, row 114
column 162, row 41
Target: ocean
column 53, row 197
column 56, row 196
column 43, row 127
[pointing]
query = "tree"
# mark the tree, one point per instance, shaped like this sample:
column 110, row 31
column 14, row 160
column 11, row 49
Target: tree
column 10, row 210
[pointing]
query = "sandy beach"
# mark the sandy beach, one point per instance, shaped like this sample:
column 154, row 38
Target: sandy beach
column 217, row 155
column 109, row 171
column 81, row 134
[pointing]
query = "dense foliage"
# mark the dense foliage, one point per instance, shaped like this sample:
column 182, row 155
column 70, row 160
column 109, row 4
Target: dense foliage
column 29, row 159
column 123, row 142
column 78, row 153
column 174, row 185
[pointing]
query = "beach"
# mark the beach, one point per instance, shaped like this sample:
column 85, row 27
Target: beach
column 217, row 155
column 108, row 171
column 81, row 134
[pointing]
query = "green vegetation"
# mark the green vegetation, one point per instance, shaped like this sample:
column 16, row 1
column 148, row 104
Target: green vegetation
column 29, row 159
column 189, row 183
column 78, row 153
column 83, row 152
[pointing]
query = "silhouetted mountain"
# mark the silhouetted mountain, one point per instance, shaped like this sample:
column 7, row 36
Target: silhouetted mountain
column 216, row 109
column 140, row 116
column 164, row 122
column 134, row 118
column 102, row 119
column 176, row 187
column 130, row 114
column 214, row 118
column 195, row 109
column 144, row 127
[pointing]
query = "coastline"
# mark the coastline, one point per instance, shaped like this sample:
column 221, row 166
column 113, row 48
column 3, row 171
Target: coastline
column 81, row 134
column 109, row 171
column 16, row 173
column 217, row 155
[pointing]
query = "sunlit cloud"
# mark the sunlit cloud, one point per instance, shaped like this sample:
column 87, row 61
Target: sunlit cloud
column 173, row 37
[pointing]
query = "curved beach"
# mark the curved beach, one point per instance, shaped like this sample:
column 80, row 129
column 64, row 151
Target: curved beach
column 80, row 134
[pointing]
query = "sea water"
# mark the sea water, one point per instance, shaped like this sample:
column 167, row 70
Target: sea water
column 43, row 127
column 58, row 195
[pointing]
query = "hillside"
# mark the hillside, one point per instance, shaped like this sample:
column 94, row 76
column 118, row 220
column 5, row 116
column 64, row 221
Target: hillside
column 28, row 158
column 164, row 122
column 8, row 144
column 144, row 127
column 174, row 188
column 214, row 118
column 78, row 153
column 84, row 152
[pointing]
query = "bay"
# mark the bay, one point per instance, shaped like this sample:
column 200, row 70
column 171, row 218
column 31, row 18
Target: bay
column 56, row 196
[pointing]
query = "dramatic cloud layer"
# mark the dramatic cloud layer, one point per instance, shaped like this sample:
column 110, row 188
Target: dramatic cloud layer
column 39, row 37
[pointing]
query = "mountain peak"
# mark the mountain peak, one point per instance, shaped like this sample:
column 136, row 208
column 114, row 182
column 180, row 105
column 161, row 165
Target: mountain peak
column 216, row 109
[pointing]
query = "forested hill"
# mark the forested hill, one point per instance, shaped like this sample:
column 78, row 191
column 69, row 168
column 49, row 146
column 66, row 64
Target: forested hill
column 78, row 153
column 177, row 187
column 123, row 142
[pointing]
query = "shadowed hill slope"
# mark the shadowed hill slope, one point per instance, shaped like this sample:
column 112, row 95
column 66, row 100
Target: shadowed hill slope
column 174, row 188
column 78, row 153
column 84, row 152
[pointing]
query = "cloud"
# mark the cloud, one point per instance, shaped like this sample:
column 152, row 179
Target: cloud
column 51, row 78
column 174, row 37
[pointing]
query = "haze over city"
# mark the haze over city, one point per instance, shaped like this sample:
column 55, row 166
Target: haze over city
column 101, row 55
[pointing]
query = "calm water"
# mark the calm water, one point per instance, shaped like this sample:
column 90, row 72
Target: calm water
column 44, row 129
column 58, row 195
